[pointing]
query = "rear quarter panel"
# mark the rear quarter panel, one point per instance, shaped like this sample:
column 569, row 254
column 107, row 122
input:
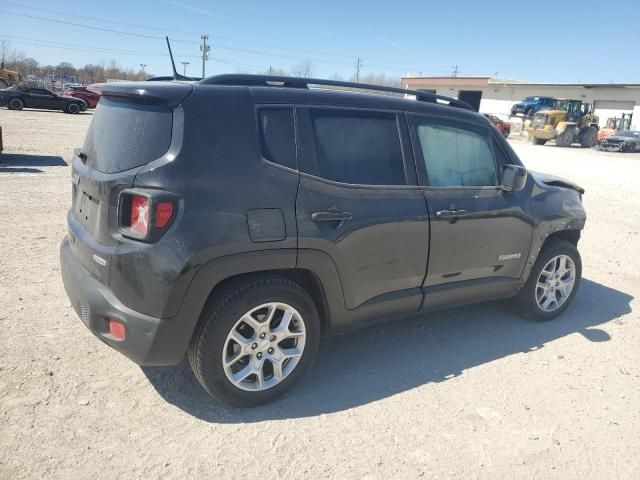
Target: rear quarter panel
column 219, row 177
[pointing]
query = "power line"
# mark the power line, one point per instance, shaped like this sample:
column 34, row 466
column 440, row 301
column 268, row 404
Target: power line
column 57, row 12
column 182, row 32
column 72, row 46
column 153, row 37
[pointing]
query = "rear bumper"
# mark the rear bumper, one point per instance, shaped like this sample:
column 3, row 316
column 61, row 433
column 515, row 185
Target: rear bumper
column 148, row 340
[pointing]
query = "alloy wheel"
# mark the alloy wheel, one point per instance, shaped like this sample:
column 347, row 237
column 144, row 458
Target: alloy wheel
column 264, row 346
column 555, row 283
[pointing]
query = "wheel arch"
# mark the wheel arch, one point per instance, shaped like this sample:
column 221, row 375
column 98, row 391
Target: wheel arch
column 212, row 279
column 303, row 277
column 571, row 236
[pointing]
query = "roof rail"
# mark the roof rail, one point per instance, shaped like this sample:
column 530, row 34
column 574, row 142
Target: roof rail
column 298, row 82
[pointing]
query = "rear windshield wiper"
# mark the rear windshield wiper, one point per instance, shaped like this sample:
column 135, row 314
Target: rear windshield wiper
column 79, row 153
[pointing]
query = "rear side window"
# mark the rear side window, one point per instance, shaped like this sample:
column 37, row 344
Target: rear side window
column 277, row 137
column 358, row 147
column 125, row 135
column 456, row 157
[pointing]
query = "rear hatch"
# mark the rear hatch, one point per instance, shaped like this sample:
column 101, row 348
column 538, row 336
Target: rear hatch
column 131, row 127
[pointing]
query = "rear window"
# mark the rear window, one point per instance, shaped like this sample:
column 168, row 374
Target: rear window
column 358, row 147
column 277, row 137
column 125, row 135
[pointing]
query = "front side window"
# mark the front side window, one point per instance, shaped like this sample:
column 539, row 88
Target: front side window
column 358, row 147
column 456, row 157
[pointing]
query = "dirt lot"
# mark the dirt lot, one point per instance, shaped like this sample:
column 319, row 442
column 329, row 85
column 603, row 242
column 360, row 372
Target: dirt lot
column 471, row 393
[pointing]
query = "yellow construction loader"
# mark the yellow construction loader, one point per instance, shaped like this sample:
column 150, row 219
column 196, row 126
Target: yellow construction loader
column 8, row 77
column 567, row 122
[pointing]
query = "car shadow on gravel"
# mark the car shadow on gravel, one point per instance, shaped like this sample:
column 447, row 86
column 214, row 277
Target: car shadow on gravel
column 25, row 163
column 388, row 359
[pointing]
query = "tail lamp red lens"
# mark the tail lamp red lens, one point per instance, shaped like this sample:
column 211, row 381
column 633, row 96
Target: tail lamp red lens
column 144, row 214
column 164, row 211
column 116, row 329
column 140, row 214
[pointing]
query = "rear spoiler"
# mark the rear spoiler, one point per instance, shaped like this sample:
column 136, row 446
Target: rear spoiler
column 171, row 94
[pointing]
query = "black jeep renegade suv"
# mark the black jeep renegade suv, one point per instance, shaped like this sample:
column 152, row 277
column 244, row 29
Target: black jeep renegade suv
column 239, row 218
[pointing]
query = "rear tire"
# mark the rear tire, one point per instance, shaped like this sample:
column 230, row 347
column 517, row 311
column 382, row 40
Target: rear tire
column 539, row 141
column 223, row 318
column 589, row 137
column 565, row 139
column 630, row 148
column 15, row 104
column 530, row 299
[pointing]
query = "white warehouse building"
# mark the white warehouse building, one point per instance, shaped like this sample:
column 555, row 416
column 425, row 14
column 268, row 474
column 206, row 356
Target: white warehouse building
column 497, row 95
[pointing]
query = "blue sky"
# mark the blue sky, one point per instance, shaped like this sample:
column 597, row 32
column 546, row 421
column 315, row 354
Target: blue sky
column 545, row 41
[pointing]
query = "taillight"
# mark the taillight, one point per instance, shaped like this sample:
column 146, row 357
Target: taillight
column 140, row 214
column 145, row 214
column 164, row 212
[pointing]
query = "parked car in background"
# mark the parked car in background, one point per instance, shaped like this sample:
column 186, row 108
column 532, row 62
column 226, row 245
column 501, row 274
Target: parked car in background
column 623, row 141
column 80, row 91
column 207, row 220
column 17, row 98
column 531, row 105
column 501, row 125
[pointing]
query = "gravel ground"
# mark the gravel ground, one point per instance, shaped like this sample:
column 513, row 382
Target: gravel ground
column 474, row 392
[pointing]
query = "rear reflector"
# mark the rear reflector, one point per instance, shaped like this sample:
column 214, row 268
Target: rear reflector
column 140, row 214
column 116, row 329
column 164, row 210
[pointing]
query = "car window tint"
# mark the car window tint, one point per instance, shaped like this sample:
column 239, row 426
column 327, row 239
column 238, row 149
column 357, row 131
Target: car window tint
column 358, row 147
column 277, row 137
column 456, row 157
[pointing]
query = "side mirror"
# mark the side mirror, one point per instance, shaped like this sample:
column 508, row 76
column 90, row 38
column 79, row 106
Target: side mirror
column 514, row 178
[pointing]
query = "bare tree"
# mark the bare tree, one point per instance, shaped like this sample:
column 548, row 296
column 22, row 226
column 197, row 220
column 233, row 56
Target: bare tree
column 302, row 69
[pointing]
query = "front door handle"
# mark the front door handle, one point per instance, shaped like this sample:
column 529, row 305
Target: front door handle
column 331, row 216
column 451, row 213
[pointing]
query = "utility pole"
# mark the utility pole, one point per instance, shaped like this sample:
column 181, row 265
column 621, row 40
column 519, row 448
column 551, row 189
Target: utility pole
column 142, row 66
column 204, row 48
column 455, row 71
column 184, row 68
column 358, row 66
column 270, row 70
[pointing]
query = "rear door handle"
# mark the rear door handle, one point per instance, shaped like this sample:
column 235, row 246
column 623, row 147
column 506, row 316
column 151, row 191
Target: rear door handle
column 450, row 213
column 331, row 216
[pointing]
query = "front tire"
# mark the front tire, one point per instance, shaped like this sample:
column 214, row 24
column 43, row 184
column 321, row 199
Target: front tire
column 255, row 340
column 16, row 104
column 539, row 141
column 565, row 139
column 552, row 283
column 589, row 137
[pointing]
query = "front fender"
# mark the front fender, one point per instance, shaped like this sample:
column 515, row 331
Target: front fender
column 556, row 209
column 562, row 126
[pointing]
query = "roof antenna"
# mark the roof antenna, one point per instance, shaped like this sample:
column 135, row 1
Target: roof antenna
column 176, row 75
